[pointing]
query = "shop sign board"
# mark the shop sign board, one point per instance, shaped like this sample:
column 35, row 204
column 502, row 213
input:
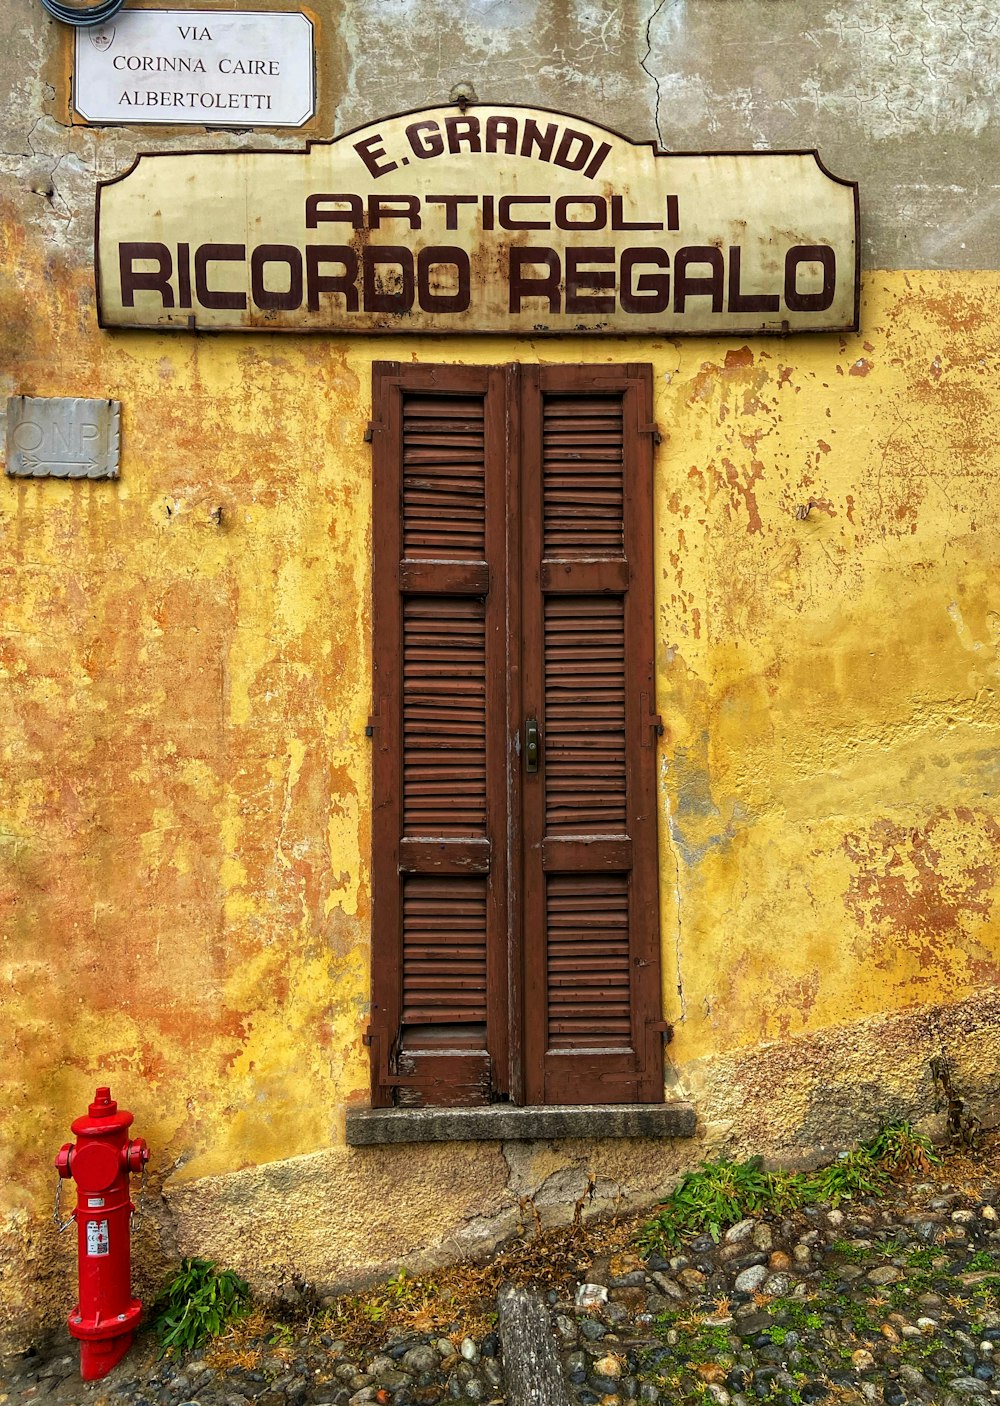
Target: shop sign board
column 215, row 68
column 495, row 220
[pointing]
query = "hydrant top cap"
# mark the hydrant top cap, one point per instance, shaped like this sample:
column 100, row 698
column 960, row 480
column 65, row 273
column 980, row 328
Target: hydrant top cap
column 102, row 1116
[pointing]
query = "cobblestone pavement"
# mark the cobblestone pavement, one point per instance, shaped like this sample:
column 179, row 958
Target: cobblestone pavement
column 891, row 1301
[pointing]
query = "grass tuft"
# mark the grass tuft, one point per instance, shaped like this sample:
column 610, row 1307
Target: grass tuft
column 722, row 1192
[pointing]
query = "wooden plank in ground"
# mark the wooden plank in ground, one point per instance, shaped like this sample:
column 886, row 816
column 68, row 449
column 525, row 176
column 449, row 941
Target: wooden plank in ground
column 531, row 1365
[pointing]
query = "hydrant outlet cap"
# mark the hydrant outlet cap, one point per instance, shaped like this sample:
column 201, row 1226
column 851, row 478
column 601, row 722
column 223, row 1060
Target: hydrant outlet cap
column 95, row 1166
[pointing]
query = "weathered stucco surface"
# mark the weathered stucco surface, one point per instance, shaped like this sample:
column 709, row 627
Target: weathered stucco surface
column 184, row 664
column 899, row 94
column 424, row 1205
column 831, row 681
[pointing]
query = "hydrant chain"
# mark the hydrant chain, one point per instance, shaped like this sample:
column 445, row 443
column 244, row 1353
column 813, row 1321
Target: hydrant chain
column 140, row 1205
column 57, row 1219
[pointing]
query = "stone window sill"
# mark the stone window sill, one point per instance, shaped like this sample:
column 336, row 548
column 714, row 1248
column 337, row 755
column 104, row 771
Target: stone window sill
column 503, row 1122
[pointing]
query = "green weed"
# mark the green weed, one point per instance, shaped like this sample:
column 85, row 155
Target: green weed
column 794, row 1313
column 722, row 1192
column 853, row 1253
column 921, row 1259
column 712, row 1341
column 861, row 1319
column 198, row 1304
column 716, row 1197
column 981, row 1260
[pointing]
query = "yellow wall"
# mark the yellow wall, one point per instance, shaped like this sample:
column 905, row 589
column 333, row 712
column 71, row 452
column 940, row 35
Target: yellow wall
column 184, row 794
column 831, row 682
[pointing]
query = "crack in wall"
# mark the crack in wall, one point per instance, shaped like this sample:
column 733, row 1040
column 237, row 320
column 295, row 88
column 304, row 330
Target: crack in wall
column 535, row 1200
column 643, row 63
column 674, row 841
column 679, row 928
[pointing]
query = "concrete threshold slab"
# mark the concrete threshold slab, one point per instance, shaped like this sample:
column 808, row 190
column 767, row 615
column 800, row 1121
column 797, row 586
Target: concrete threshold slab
column 502, row 1122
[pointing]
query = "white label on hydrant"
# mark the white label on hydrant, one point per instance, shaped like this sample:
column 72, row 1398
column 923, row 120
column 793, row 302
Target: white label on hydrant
column 97, row 1237
column 95, row 1201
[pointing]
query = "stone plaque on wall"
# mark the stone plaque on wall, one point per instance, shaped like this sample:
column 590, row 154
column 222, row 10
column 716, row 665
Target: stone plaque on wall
column 62, row 437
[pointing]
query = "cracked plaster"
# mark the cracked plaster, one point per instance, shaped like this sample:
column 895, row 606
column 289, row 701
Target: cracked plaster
column 897, row 96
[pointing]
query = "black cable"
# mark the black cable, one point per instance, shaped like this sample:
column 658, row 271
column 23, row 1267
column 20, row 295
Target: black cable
column 93, row 14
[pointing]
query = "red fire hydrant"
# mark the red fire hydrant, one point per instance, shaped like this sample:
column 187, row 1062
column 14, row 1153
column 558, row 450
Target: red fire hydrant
column 106, row 1317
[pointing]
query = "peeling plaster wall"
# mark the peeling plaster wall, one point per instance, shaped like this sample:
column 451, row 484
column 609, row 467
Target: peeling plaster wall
column 184, row 660
column 831, row 683
column 899, row 94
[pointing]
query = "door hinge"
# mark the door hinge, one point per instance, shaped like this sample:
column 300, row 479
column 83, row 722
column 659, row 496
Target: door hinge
column 649, row 722
column 383, row 1050
column 377, row 719
column 653, row 430
column 664, row 1027
column 369, row 432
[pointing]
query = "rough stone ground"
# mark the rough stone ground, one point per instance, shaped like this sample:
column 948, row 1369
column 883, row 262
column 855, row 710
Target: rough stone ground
column 891, row 1301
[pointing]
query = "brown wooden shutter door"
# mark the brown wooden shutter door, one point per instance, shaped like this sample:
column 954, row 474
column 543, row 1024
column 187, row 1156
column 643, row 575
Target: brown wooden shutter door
column 512, row 527
column 592, row 997
column 438, row 871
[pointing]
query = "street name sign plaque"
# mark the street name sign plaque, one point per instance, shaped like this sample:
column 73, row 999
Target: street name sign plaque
column 216, row 68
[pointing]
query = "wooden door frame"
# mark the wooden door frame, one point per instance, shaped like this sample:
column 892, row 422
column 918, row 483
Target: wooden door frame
column 515, row 771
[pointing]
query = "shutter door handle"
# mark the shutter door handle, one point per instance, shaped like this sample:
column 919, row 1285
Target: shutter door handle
column 531, row 745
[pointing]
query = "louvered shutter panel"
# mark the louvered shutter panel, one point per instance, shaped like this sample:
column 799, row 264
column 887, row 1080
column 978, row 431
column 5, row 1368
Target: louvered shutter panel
column 439, row 877
column 592, row 995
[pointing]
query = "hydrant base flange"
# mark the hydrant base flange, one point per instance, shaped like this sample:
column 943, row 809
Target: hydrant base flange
column 104, row 1342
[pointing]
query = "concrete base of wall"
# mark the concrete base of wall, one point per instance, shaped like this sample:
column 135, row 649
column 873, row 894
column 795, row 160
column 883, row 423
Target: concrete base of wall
column 346, row 1215
column 350, row 1214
